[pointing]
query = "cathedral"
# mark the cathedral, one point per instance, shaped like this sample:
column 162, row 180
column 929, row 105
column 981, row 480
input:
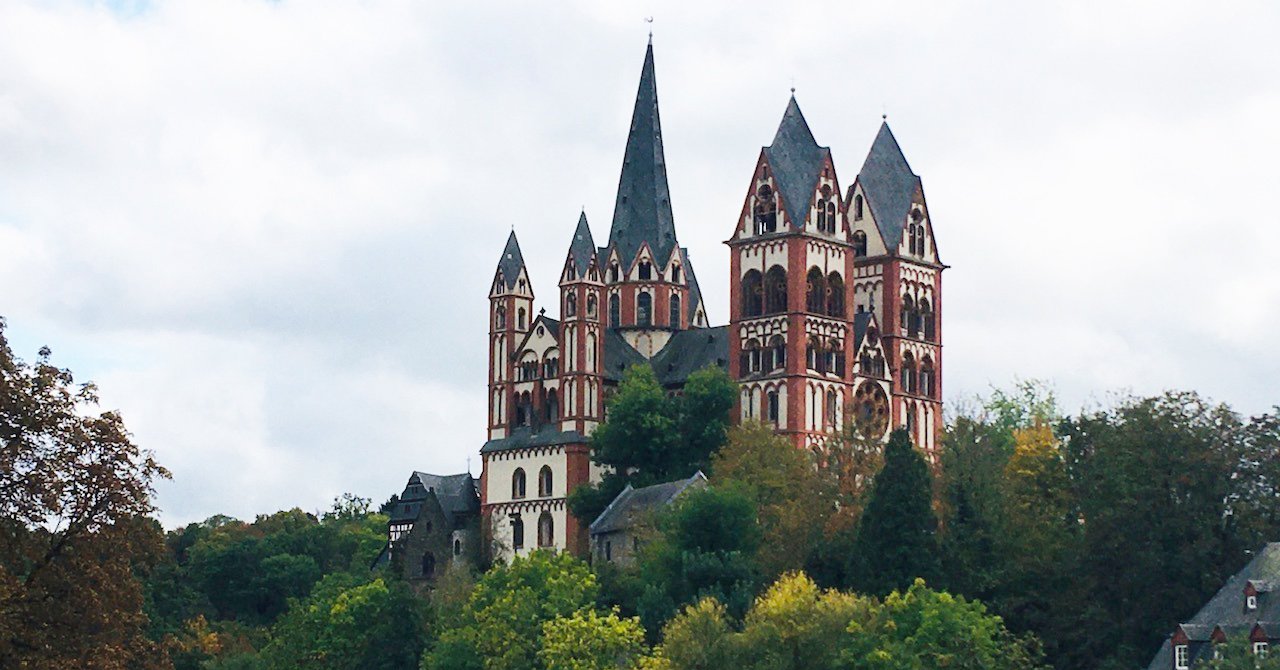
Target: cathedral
column 834, row 317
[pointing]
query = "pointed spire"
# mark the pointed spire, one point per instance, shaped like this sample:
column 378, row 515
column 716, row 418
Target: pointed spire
column 889, row 183
column 511, row 262
column 582, row 247
column 796, row 161
column 642, row 212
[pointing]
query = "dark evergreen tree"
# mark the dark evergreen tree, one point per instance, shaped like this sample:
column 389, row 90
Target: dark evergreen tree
column 897, row 538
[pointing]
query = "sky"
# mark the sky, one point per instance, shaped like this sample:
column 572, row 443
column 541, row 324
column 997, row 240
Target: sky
column 267, row 230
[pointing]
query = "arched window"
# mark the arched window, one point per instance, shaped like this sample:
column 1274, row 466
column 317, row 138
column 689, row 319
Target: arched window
column 835, row 357
column 859, row 244
column 457, row 547
column 835, row 295
column 831, row 409
column 816, row 292
column 571, row 305
column 675, row 274
column 615, row 311
column 500, row 318
column 673, row 319
column 775, row 290
column 816, row 356
column 553, row 406
column 913, row 423
column 857, row 207
column 428, row 565
column 546, row 530
column 645, row 271
column 644, row 309
column 911, row 243
column 613, row 272
column 778, row 352
column 544, row 481
column 751, row 357
column 926, row 377
column 517, row 532
column 831, row 217
column 926, row 320
column 766, row 211
column 907, row 313
column 520, row 318
column 517, row 483
column 908, row 373
column 877, row 366
column 591, row 305
column 752, row 294
column 772, row 399
column 821, row 206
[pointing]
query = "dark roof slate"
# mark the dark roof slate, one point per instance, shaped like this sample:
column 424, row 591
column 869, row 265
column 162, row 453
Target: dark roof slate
column 511, row 262
column 618, row 355
column 523, row 437
column 633, row 504
column 695, row 292
column 582, row 248
column 796, row 161
column 642, row 212
column 889, row 184
column 456, row 493
column 689, row 351
column 861, row 321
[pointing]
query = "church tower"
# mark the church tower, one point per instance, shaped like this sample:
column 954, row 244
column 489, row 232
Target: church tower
column 791, row 336
column 510, row 315
column 649, row 291
column 581, row 332
column 899, row 281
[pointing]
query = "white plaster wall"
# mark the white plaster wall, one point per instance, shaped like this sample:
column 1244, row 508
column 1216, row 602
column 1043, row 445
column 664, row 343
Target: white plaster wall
column 500, row 470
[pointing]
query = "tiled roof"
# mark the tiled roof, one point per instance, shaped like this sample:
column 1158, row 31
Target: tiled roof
column 456, row 493
column 523, row 437
column 633, row 504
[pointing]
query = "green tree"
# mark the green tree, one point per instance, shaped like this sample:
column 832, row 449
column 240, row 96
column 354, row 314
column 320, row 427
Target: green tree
column 501, row 627
column 795, row 625
column 74, row 491
column 1238, row 654
column 897, row 536
column 588, row 640
column 346, row 624
column 702, row 419
column 699, row 638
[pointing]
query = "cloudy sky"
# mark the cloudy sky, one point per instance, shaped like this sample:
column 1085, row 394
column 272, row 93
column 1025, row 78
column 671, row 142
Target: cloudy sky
column 266, row 229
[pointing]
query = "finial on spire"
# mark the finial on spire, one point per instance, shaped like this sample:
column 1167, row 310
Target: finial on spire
column 649, row 20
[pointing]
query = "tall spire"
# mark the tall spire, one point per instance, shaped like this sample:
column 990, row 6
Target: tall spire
column 890, row 184
column 642, row 212
column 796, row 161
column 582, row 247
column 511, row 262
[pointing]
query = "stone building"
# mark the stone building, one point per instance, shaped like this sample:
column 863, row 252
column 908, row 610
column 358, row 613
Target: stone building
column 1246, row 607
column 434, row 526
column 835, row 316
column 620, row 530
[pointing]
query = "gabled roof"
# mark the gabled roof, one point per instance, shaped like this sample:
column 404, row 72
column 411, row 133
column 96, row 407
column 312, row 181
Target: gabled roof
column 642, row 212
column 861, row 321
column 456, row 494
column 1226, row 608
column 511, row 262
column 618, row 355
column 889, row 184
column 796, row 161
column 582, row 248
column 552, row 325
column 689, row 351
column 633, row 504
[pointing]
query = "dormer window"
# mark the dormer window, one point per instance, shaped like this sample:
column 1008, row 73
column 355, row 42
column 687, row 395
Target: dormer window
column 1260, row 649
column 1250, row 603
column 1181, row 659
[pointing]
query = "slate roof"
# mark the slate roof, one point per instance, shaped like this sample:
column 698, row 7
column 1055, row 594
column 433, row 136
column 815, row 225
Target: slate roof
column 456, row 493
column 633, row 504
column 889, row 184
column 689, row 351
column 525, row 436
column 695, row 292
column 511, row 262
column 1226, row 607
column 861, row 321
column 582, row 247
column 642, row 212
column 618, row 355
column 796, row 161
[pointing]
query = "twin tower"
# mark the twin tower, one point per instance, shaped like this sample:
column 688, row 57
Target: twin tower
column 834, row 318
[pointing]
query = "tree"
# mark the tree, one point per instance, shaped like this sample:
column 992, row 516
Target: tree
column 349, row 625
column 793, row 500
column 707, row 546
column 501, row 627
column 703, row 420
column 795, row 625
column 897, row 536
column 74, row 491
column 847, row 465
column 921, row 629
column 588, row 640
column 699, row 638
column 1238, row 654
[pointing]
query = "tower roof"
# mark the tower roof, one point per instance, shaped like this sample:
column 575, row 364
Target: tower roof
column 511, row 262
column 642, row 212
column 796, row 161
column 889, row 183
column 582, row 247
